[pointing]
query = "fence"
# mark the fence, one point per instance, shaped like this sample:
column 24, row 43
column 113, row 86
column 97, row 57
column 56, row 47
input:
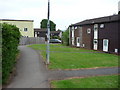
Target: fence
column 31, row 40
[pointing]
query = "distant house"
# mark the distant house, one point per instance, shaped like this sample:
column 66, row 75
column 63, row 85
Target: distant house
column 97, row 34
column 43, row 32
column 25, row 26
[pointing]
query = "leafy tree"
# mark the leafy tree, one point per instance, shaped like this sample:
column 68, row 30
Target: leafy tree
column 44, row 24
column 65, row 37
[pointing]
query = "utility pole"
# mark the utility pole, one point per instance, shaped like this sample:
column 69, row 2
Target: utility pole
column 48, row 35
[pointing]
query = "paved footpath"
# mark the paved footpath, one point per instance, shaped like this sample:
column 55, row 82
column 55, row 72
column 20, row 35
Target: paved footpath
column 32, row 72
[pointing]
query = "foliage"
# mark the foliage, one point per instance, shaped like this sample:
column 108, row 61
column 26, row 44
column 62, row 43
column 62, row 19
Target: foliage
column 65, row 38
column 44, row 24
column 65, row 57
column 0, row 54
column 10, row 41
column 89, row 82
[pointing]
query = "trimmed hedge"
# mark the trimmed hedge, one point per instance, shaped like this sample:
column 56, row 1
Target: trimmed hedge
column 10, row 41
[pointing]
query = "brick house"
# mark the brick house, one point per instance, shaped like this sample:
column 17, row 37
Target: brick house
column 42, row 33
column 97, row 34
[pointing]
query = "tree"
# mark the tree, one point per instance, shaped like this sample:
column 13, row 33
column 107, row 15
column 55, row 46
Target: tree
column 65, row 37
column 44, row 24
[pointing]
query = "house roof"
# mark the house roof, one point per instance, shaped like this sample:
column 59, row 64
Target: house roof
column 38, row 29
column 55, row 31
column 15, row 20
column 45, row 29
column 97, row 20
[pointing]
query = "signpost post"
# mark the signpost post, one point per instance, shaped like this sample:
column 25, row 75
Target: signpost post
column 48, row 35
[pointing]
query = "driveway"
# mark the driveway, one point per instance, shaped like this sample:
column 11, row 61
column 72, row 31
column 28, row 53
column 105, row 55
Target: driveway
column 32, row 72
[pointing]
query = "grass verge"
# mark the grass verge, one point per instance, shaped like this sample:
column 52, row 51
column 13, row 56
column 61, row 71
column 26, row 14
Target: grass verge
column 89, row 82
column 63, row 57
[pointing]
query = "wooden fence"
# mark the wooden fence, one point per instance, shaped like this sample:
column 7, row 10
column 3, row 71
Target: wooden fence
column 31, row 40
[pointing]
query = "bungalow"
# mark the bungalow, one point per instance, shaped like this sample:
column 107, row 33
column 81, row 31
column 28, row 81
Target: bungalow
column 97, row 34
column 43, row 32
column 25, row 26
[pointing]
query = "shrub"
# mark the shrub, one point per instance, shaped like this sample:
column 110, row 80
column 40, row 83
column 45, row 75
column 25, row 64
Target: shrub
column 65, row 37
column 10, row 41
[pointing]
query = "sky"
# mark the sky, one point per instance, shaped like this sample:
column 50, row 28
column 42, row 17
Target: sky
column 62, row 12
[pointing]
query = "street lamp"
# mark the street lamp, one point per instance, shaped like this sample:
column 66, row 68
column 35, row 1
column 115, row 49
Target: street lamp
column 48, row 35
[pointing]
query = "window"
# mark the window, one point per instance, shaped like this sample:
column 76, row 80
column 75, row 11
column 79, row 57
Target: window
column 88, row 31
column 75, row 27
column 105, row 42
column 96, row 26
column 83, row 45
column 95, row 41
column 101, row 25
column 116, row 50
column 72, row 28
column 25, row 29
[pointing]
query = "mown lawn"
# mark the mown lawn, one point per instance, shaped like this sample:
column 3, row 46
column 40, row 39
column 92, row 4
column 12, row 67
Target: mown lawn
column 63, row 57
column 89, row 82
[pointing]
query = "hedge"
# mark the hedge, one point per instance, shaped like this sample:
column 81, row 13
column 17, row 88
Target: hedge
column 0, row 54
column 10, row 41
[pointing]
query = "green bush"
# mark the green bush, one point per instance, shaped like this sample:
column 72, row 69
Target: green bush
column 65, row 38
column 10, row 41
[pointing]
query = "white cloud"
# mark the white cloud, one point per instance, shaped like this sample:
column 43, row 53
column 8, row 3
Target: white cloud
column 63, row 12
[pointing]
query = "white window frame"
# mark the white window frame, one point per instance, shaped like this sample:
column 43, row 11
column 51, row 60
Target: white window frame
column 72, row 27
column 102, row 25
column 116, row 50
column 25, row 29
column 76, row 27
column 88, row 30
column 96, row 26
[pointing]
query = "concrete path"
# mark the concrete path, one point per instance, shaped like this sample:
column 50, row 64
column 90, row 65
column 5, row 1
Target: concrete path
column 32, row 72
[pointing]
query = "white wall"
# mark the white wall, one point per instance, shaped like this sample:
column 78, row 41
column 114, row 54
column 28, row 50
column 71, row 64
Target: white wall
column 21, row 25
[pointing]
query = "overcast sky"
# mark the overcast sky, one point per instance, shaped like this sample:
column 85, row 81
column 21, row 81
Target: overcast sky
column 63, row 12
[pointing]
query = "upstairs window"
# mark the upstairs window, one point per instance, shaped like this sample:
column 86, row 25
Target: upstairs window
column 72, row 28
column 25, row 29
column 76, row 27
column 88, row 31
column 95, row 26
column 102, row 25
